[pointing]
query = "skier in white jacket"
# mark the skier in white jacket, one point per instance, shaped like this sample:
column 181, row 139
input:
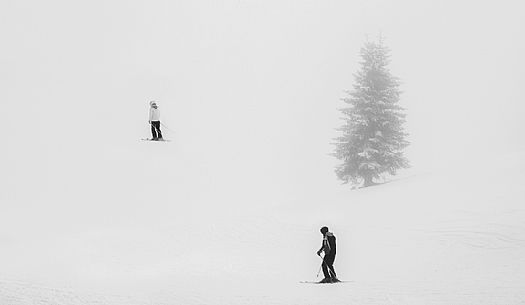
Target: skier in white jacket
column 154, row 120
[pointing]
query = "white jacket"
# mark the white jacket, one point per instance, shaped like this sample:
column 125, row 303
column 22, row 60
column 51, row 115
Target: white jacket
column 154, row 114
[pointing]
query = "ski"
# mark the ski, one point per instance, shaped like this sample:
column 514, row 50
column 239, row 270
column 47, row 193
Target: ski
column 151, row 140
column 312, row 282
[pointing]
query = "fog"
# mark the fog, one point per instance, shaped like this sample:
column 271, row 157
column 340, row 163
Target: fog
column 249, row 93
column 261, row 75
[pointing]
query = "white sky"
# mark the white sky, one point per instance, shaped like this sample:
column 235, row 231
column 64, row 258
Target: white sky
column 258, row 81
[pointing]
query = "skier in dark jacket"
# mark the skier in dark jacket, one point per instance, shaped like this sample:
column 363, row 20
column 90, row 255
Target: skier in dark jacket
column 329, row 249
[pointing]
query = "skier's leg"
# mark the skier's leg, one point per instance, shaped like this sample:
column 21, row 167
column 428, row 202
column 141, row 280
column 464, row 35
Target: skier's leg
column 330, row 263
column 153, row 131
column 159, row 133
column 325, row 270
column 332, row 272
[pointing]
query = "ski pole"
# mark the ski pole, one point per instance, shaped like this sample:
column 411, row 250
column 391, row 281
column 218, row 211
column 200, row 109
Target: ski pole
column 167, row 128
column 318, row 272
column 320, row 267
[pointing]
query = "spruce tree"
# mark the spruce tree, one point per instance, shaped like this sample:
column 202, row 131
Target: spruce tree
column 372, row 139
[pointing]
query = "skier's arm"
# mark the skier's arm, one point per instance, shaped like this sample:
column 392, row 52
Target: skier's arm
column 320, row 250
column 326, row 250
column 149, row 119
column 327, row 246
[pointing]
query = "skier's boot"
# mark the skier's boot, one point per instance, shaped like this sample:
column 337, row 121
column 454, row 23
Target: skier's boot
column 326, row 280
column 334, row 280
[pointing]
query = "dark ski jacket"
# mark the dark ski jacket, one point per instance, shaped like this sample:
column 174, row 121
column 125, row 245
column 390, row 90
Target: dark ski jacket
column 328, row 246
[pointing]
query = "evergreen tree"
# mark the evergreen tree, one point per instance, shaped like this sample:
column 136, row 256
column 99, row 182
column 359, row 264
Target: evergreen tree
column 372, row 139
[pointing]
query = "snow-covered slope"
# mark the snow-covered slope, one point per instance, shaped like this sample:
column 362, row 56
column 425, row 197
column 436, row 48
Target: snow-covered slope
column 131, row 222
column 229, row 211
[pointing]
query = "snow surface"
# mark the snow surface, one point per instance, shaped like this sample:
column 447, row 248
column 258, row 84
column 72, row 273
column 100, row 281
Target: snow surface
column 133, row 222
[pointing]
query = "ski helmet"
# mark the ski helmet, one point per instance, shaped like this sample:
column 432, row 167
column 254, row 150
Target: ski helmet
column 324, row 230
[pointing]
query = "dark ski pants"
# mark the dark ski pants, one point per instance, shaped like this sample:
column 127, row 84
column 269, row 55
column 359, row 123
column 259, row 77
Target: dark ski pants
column 328, row 267
column 155, row 130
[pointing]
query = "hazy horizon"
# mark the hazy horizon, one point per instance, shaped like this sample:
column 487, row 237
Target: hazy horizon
column 260, row 76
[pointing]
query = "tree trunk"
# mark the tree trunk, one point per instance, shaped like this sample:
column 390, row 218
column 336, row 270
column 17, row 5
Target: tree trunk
column 368, row 181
